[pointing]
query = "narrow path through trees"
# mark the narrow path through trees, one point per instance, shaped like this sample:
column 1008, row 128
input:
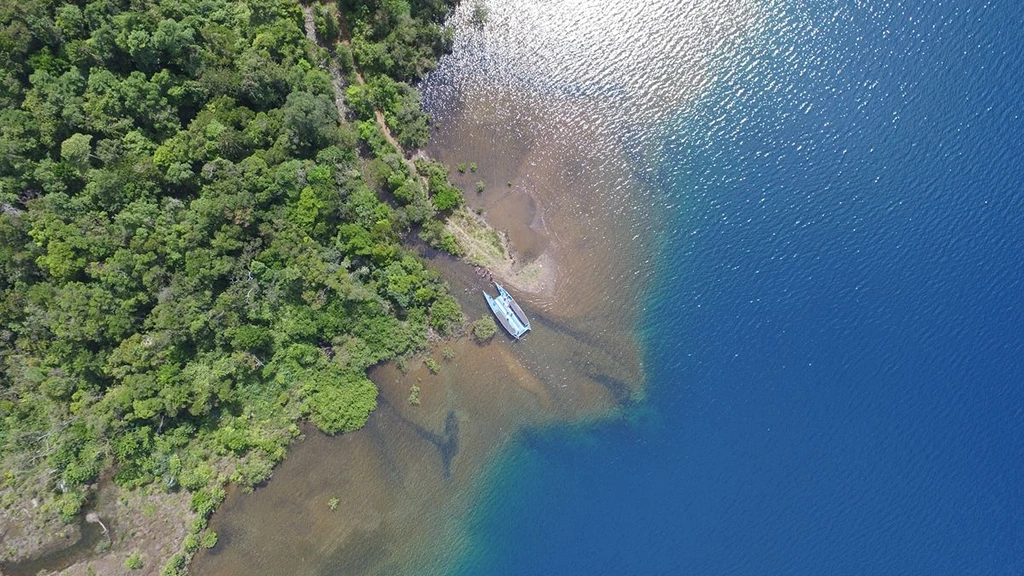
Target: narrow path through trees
column 341, row 83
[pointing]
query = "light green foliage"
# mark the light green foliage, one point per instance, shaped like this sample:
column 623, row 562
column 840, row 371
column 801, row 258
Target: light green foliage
column 76, row 151
column 472, row 166
column 400, row 104
column 208, row 539
column 414, row 395
column 133, row 562
column 333, row 503
column 445, row 315
column 343, row 404
column 191, row 259
column 206, row 500
column 175, row 566
column 480, row 186
column 432, row 365
column 444, row 196
column 484, row 328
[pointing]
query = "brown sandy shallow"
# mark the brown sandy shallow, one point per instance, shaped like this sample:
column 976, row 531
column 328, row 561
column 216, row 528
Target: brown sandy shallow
column 408, row 481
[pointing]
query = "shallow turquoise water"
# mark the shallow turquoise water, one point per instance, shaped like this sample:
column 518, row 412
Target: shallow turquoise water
column 834, row 335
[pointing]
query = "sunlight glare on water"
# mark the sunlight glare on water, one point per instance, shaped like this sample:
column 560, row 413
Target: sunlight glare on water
column 628, row 61
column 574, row 97
column 808, row 212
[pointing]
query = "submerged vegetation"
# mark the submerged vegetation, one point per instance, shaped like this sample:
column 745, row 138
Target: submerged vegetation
column 432, row 365
column 198, row 246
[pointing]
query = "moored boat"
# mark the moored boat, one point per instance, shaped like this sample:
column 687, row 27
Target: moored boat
column 509, row 314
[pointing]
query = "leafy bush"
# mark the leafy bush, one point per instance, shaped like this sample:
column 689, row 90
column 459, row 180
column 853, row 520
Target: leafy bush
column 133, row 562
column 338, row 402
column 444, row 196
column 432, row 365
column 208, row 539
column 484, row 329
column 445, row 315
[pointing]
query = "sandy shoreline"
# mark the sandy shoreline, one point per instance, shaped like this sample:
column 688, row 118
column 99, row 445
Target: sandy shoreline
column 408, row 481
column 581, row 362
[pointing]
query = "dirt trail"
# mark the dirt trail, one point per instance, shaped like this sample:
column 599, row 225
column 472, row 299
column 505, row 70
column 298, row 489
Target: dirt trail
column 341, row 83
column 484, row 246
column 337, row 78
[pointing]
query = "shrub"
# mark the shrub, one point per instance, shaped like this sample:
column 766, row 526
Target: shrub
column 175, row 566
column 484, row 329
column 480, row 13
column 432, row 365
column 191, row 544
column 414, row 395
column 133, row 562
column 206, row 500
column 209, row 539
column 450, row 244
column 445, row 315
column 447, row 198
column 342, row 405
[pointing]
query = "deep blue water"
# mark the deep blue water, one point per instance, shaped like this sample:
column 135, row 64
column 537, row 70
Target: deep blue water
column 835, row 334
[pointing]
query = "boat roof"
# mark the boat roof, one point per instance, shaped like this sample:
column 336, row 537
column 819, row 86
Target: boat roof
column 514, row 306
column 509, row 320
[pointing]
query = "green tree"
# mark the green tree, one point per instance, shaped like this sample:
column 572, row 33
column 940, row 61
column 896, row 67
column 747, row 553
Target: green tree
column 310, row 121
column 195, row 250
column 76, row 151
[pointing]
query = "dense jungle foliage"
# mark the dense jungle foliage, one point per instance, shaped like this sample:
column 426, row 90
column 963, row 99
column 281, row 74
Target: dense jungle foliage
column 196, row 251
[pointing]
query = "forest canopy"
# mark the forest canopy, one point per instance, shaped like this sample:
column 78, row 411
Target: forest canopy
column 196, row 249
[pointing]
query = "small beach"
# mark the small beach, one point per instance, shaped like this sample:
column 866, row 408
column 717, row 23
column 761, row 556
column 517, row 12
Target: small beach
column 406, row 482
column 569, row 196
column 778, row 327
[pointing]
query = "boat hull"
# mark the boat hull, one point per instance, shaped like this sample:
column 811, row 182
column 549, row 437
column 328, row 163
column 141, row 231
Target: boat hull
column 513, row 306
column 509, row 314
